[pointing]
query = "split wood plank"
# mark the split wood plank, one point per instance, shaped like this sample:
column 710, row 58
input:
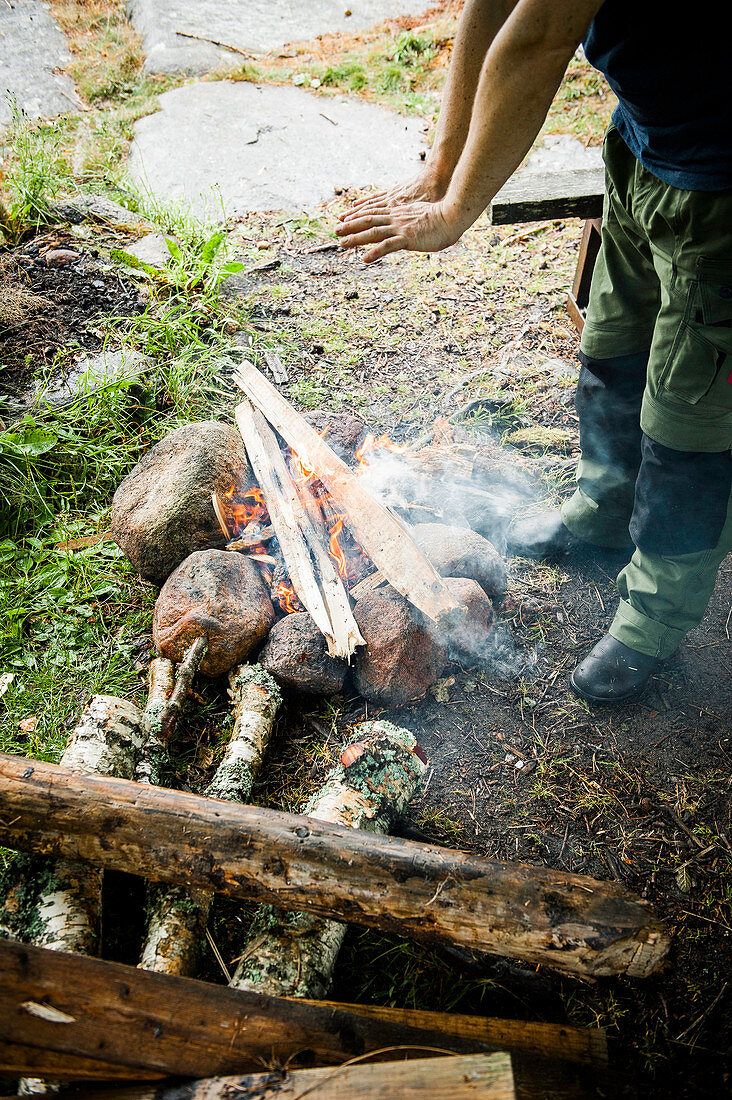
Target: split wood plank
column 570, row 922
column 299, row 539
column 461, row 1077
column 380, row 533
column 123, row 1016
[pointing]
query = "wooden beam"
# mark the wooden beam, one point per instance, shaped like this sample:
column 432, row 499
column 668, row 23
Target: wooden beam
column 88, row 1008
column 461, row 1077
column 382, row 535
column 569, row 922
column 531, row 196
column 582, row 1045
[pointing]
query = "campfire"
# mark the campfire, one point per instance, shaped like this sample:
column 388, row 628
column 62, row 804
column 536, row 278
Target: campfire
column 275, row 539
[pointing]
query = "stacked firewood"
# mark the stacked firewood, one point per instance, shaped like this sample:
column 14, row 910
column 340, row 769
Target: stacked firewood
column 411, row 597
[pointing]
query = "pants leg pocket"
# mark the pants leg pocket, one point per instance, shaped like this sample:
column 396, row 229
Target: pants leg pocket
column 698, row 369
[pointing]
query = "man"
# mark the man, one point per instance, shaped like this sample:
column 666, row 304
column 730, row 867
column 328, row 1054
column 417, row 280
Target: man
column 655, row 389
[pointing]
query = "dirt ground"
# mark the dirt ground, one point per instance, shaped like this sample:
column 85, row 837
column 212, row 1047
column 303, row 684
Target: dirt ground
column 53, row 299
column 519, row 769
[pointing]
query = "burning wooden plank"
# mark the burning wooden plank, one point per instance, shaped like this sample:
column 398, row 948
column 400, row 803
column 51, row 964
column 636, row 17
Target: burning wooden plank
column 300, row 541
column 382, row 535
column 569, row 922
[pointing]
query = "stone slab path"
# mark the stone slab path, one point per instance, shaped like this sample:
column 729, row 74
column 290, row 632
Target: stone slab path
column 256, row 25
column 32, row 53
column 268, row 147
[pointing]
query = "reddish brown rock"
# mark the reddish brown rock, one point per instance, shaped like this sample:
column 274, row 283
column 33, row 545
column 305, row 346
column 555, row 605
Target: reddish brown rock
column 297, row 656
column 221, row 595
column 401, row 658
column 162, row 511
column 462, row 552
column 472, row 635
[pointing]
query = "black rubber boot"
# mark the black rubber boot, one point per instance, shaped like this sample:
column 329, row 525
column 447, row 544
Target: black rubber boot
column 542, row 536
column 612, row 672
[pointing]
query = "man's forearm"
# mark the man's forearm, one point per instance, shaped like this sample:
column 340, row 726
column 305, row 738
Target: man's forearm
column 480, row 22
column 520, row 75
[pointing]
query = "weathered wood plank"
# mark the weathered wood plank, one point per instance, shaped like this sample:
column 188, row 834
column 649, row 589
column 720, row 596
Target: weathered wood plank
column 546, row 196
column 583, row 1045
column 382, row 535
column 570, row 922
column 462, row 1077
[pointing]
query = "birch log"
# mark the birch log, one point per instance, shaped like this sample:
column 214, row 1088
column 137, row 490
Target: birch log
column 69, row 907
column 177, row 916
column 105, row 742
column 294, row 954
column 161, row 682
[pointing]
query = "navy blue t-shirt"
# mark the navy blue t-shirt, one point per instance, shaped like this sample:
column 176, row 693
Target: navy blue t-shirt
column 671, row 69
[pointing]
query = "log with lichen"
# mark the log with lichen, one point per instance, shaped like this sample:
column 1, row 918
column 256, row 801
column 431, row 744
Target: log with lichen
column 177, row 916
column 155, row 724
column 105, row 742
column 68, row 909
column 294, row 954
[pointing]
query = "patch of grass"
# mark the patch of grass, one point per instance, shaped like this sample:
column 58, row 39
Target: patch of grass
column 37, row 170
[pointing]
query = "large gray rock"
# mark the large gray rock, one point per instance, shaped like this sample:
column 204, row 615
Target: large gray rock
column 219, row 595
column 297, row 656
column 267, row 148
column 256, row 25
column 162, row 511
column 33, row 55
column 461, row 552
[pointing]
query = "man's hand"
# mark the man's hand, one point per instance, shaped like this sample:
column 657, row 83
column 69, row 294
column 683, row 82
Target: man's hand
column 414, row 226
column 426, row 187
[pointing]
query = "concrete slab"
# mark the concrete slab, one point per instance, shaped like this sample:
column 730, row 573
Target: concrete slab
column 254, row 25
column 268, row 148
column 32, row 51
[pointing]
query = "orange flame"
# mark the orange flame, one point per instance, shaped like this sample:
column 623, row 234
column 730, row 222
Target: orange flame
column 373, row 443
column 336, row 550
column 287, row 599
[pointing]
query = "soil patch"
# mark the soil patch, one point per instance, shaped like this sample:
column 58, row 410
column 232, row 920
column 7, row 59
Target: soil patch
column 49, row 304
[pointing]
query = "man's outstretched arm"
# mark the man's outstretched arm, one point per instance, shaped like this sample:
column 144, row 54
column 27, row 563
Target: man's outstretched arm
column 519, row 77
column 480, row 22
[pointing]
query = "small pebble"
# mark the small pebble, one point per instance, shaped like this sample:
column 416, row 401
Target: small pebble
column 60, row 257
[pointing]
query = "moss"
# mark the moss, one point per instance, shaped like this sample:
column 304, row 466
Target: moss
column 23, row 881
column 233, row 782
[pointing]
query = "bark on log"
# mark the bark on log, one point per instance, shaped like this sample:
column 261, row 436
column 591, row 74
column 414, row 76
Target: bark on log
column 383, row 537
column 160, row 688
column 177, row 917
column 570, row 922
column 105, row 742
column 300, row 541
column 461, row 1077
column 294, row 954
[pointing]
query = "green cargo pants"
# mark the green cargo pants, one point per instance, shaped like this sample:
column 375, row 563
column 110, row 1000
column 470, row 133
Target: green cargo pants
column 655, row 400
